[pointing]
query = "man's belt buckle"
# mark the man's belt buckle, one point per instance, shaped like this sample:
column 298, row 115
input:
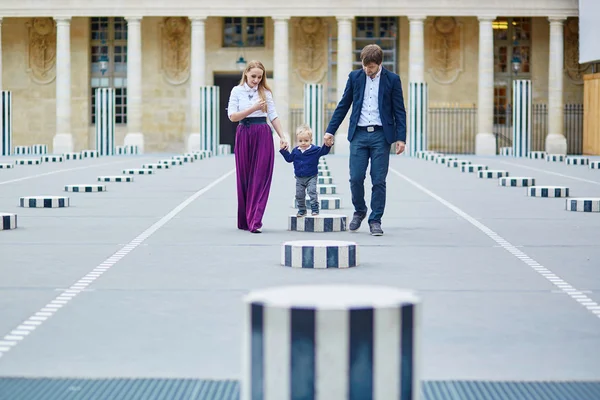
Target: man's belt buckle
column 370, row 129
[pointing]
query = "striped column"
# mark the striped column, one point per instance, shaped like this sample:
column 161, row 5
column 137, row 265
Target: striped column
column 521, row 117
column 6, row 123
column 331, row 342
column 417, row 119
column 313, row 111
column 209, row 118
column 105, row 121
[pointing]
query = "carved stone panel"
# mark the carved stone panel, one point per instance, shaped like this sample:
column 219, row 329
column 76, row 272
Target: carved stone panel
column 41, row 50
column 311, row 49
column 573, row 69
column 175, row 49
column 445, row 49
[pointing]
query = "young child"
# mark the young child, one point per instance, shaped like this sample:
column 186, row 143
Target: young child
column 306, row 168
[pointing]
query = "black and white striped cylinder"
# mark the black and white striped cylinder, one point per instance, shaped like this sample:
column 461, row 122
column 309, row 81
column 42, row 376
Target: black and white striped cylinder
column 105, row 121
column 8, row 221
column 115, row 178
column 492, row 174
column 319, row 254
column 223, row 150
column 314, row 110
column 555, row 157
column 22, row 150
column 85, row 188
column 323, row 167
column 457, row 163
column 591, row 204
column 44, row 202
column 129, row 149
column 90, row 154
column 326, row 203
column 51, row 158
column 39, row 149
column 209, row 118
column 577, row 160
column 516, row 181
column 138, row 171
column 594, row 164
column 205, row 153
column 324, row 173
column 28, row 161
column 72, row 156
column 6, row 166
column 171, row 162
column 156, row 166
column 548, row 191
column 445, row 159
column 6, row 123
column 473, row 167
column 521, row 115
column 185, row 159
column 317, row 223
column 326, row 189
column 417, row 118
column 325, row 180
column 506, row 151
column 537, row 155
column 432, row 157
column 196, row 155
column 331, row 342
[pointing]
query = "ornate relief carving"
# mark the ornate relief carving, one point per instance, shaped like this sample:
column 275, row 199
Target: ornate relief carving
column 41, row 51
column 175, row 49
column 573, row 69
column 311, row 49
column 445, row 49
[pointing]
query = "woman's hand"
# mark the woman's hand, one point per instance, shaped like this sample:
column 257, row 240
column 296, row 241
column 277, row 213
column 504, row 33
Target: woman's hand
column 259, row 105
column 283, row 145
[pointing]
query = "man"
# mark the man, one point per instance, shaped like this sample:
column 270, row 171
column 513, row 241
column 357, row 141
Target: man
column 378, row 120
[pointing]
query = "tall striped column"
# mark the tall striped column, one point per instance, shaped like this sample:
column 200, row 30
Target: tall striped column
column 105, row 121
column 417, row 119
column 6, row 123
column 313, row 111
column 209, row 118
column 331, row 342
column 521, row 117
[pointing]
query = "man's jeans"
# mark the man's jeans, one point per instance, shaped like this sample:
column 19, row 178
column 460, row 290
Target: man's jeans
column 307, row 184
column 364, row 146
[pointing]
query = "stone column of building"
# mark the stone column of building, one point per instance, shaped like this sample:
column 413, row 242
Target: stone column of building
column 63, row 139
column 556, row 142
column 485, row 141
column 281, row 66
column 416, row 55
column 134, row 136
column 344, row 67
column 197, row 79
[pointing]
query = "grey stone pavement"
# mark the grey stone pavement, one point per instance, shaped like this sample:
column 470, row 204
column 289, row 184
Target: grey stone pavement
column 171, row 308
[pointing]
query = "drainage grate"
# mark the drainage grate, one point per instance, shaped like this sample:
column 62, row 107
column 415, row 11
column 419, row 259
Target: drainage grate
column 194, row 389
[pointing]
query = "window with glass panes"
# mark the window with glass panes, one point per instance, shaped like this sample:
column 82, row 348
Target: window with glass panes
column 512, row 39
column 108, row 38
column 382, row 31
column 243, row 32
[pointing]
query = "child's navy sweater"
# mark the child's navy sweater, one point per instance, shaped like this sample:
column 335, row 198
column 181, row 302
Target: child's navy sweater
column 305, row 163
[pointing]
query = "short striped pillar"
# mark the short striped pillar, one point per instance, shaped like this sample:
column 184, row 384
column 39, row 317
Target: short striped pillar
column 209, row 118
column 521, row 117
column 39, row 149
column 417, row 118
column 313, row 110
column 331, row 342
column 105, row 121
column 6, row 123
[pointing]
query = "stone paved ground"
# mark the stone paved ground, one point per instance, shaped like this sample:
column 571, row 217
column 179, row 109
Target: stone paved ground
column 172, row 306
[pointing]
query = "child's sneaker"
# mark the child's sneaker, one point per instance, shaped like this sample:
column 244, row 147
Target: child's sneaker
column 315, row 213
column 301, row 213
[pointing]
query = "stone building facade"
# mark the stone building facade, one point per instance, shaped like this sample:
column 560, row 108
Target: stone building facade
column 157, row 56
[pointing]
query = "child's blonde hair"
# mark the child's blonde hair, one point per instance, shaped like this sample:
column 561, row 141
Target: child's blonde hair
column 304, row 130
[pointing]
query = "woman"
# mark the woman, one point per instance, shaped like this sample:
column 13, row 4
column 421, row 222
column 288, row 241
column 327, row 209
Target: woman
column 250, row 103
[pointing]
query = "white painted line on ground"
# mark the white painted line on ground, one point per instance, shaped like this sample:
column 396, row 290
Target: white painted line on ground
column 62, row 170
column 564, row 286
column 8, row 341
column 551, row 172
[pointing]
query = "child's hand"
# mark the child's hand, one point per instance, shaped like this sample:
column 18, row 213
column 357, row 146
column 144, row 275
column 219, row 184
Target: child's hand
column 283, row 145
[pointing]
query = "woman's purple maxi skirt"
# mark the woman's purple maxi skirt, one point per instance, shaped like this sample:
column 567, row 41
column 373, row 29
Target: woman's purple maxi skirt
column 254, row 158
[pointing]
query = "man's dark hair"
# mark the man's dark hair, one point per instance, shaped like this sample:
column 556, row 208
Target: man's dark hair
column 371, row 53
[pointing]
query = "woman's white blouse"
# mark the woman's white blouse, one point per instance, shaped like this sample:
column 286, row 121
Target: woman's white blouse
column 243, row 97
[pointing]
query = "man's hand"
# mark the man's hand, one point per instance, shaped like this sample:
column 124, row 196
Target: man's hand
column 400, row 146
column 328, row 139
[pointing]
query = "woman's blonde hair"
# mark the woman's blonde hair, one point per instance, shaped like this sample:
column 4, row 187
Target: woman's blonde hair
column 263, row 87
column 304, row 129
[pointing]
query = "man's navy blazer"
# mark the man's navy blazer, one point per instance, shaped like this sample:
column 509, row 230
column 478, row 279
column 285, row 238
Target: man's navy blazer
column 391, row 105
